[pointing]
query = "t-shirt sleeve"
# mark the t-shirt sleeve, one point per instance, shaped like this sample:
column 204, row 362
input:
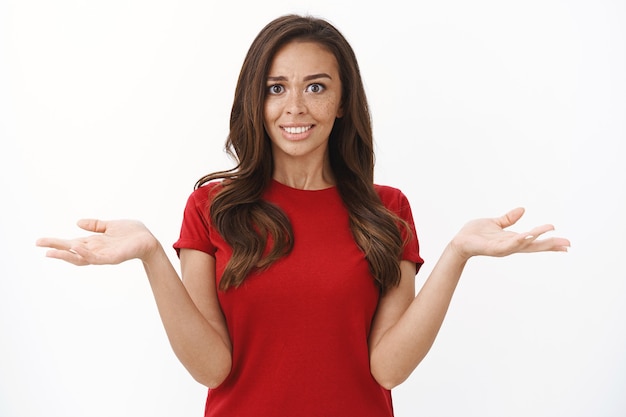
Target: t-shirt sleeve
column 195, row 232
column 397, row 202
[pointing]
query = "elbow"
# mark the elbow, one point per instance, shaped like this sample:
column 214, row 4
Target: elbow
column 388, row 382
column 211, row 382
column 391, row 368
column 212, row 378
column 387, row 377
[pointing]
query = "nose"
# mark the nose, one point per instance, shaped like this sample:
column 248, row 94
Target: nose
column 295, row 103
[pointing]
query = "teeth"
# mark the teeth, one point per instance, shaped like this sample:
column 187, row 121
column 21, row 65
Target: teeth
column 296, row 130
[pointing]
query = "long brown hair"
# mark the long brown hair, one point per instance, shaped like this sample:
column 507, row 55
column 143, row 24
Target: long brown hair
column 238, row 211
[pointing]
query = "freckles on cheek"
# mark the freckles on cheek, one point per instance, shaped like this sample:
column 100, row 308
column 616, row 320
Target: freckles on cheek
column 327, row 107
column 333, row 106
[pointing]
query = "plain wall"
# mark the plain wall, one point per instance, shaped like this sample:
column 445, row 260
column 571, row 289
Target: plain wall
column 113, row 109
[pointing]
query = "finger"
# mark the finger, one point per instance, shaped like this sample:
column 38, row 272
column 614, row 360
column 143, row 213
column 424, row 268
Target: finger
column 536, row 232
column 539, row 230
column 510, row 218
column 54, row 243
column 560, row 249
column 93, row 225
column 558, row 244
column 553, row 244
column 67, row 256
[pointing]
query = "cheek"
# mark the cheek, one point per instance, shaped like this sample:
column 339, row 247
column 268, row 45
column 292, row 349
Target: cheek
column 269, row 113
column 327, row 109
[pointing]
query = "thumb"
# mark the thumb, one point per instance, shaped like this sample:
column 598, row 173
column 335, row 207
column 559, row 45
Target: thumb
column 510, row 218
column 93, row 225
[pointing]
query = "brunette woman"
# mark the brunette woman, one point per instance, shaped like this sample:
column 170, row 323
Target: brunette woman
column 297, row 295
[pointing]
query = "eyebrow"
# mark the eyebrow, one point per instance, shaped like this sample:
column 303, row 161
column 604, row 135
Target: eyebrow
column 307, row 78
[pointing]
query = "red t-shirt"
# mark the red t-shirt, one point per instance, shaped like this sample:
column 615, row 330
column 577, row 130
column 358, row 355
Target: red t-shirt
column 299, row 329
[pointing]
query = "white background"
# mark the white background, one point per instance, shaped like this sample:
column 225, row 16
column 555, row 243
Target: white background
column 115, row 108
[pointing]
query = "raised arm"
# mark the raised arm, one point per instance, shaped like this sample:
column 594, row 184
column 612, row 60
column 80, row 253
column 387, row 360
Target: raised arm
column 189, row 308
column 406, row 325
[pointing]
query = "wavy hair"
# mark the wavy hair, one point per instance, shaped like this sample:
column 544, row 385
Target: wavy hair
column 247, row 222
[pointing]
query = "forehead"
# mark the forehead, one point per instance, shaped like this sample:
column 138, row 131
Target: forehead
column 303, row 56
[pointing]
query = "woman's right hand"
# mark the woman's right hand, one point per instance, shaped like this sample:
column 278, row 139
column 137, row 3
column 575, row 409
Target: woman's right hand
column 115, row 241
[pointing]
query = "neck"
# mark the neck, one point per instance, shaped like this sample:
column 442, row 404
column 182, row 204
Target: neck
column 297, row 174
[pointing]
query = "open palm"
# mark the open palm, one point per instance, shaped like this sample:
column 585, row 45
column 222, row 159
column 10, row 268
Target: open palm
column 488, row 237
column 113, row 242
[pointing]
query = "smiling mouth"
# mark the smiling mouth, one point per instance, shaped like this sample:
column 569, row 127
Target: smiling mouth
column 296, row 130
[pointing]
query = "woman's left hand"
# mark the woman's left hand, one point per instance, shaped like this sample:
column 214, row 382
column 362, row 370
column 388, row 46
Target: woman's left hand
column 487, row 237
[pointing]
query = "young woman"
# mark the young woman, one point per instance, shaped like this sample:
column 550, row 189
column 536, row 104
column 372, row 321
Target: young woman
column 297, row 295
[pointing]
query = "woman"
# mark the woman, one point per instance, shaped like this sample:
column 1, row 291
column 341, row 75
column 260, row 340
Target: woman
column 297, row 294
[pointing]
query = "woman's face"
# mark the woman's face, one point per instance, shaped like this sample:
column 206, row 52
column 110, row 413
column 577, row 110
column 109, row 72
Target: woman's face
column 303, row 100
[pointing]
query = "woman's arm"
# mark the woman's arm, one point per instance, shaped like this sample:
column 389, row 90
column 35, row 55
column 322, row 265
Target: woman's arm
column 191, row 314
column 405, row 326
column 189, row 309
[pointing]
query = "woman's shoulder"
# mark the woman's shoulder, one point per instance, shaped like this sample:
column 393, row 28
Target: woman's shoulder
column 205, row 192
column 390, row 196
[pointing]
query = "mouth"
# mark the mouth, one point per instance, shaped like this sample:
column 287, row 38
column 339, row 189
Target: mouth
column 296, row 130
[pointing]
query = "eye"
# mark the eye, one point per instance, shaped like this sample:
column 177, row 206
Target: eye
column 315, row 88
column 275, row 89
